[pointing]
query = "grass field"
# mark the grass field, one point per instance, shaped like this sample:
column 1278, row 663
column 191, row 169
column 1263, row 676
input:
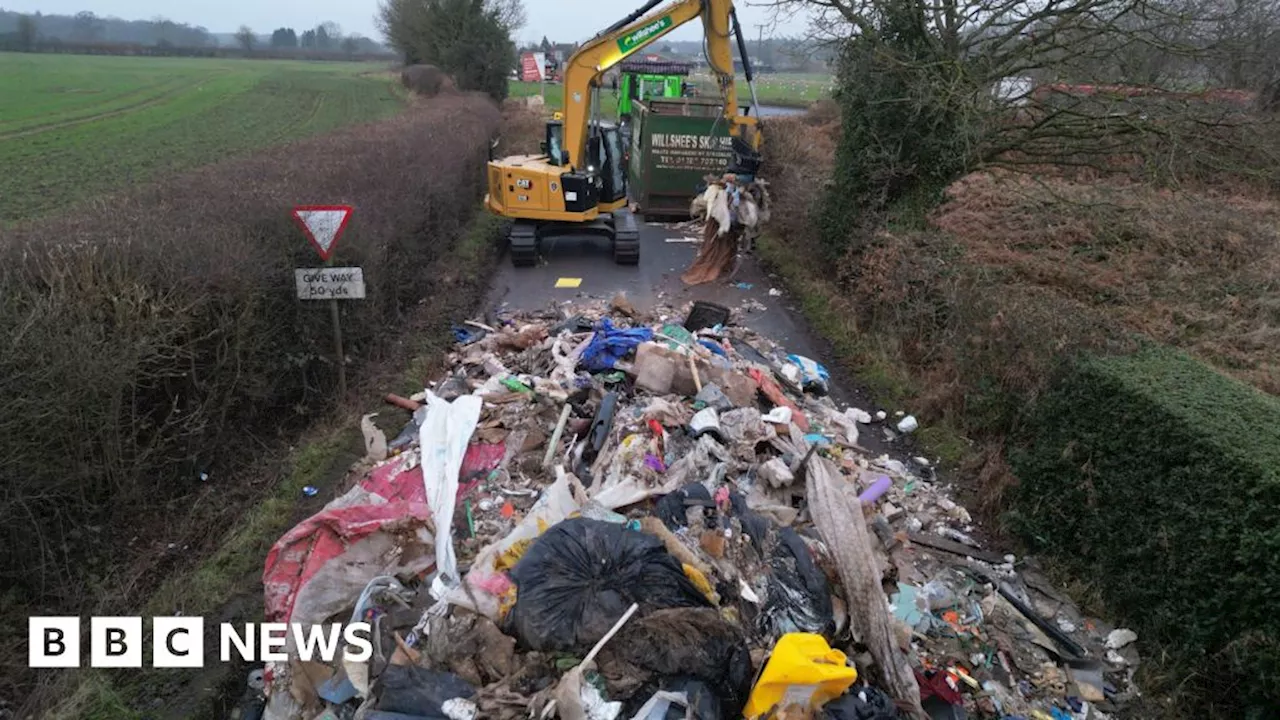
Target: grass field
column 76, row 126
column 785, row 90
column 555, row 96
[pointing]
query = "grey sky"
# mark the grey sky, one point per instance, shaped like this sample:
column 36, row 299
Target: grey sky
column 559, row 20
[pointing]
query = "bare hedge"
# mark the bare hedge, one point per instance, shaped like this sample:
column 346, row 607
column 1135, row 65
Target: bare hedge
column 151, row 336
column 426, row 80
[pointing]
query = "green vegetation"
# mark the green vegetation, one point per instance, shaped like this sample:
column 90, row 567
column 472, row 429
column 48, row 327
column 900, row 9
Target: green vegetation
column 555, row 97
column 783, row 89
column 164, row 326
column 321, row 461
column 1158, row 478
column 469, row 40
column 73, row 127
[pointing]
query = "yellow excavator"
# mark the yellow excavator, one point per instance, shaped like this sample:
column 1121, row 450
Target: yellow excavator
column 579, row 184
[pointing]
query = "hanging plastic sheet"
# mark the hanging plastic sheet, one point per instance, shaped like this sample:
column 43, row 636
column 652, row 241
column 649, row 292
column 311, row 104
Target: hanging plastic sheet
column 443, row 440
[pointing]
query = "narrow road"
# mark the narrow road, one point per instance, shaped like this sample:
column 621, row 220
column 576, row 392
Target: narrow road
column 656, row 281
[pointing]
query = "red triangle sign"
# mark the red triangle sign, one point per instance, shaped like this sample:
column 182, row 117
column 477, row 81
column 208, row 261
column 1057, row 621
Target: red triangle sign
column 323, row 224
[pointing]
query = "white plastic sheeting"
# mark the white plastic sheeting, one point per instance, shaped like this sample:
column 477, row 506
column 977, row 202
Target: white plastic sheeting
column 443, row 438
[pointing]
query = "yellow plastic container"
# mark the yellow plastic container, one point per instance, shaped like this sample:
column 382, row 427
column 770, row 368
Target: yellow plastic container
column 803, row 670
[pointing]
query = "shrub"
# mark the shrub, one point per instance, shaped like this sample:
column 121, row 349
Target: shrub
column 154, row 335
column 470, row 40
column 426, row 80
column 1159, row 479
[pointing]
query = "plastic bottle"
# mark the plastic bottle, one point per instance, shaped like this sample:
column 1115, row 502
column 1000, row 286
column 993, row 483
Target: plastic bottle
column 802, row 670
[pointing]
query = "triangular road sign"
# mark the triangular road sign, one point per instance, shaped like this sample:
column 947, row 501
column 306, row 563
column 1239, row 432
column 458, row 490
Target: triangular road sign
column 323, row 224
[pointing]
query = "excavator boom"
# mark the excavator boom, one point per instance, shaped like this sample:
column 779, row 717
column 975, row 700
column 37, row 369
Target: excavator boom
column 578, row 186
column 634, row 33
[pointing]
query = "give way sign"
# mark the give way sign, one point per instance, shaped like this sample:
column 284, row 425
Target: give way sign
column 323, row 224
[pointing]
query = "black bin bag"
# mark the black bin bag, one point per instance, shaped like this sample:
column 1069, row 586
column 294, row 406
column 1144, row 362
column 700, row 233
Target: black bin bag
column 580, row 576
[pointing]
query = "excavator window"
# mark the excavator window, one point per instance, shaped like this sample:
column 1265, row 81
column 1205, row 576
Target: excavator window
column 555, row 143
column 615, row 163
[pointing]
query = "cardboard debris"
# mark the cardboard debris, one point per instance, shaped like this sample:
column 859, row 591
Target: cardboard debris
column 754, row 493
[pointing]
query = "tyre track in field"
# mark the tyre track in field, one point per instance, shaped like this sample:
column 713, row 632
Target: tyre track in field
column 62, row 125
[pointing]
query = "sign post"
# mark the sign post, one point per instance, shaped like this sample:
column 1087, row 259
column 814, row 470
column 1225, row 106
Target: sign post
column 323, row 225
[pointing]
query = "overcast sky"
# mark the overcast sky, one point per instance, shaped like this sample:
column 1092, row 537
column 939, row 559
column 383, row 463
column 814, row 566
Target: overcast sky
column 559, row 20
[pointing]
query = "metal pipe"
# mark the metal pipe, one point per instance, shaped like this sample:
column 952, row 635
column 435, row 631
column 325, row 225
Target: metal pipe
column 746, row 60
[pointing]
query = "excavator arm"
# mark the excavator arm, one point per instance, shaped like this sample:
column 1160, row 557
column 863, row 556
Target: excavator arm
column 633, row 33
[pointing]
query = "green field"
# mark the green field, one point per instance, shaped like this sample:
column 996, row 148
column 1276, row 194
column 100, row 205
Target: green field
column 76, row 126
column 788, row 90
column 555, row 96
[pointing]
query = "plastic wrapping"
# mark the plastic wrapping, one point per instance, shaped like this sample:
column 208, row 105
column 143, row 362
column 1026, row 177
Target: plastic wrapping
column 610, row 344
column 861, row 702
column 581, row 575
column 419, row 692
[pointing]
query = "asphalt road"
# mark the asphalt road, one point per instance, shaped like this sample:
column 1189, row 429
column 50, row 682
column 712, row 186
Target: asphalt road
column 655, row 281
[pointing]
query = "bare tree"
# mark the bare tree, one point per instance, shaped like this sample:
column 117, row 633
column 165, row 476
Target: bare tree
column 245, row 38
column 510, row 13
column 331, row 30
column 932, row 89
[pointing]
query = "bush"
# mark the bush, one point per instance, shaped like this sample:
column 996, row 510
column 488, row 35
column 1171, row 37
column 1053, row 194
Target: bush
column 903, row 104
column 469, row 40
column 155, row 335
column 426, row 80
column 1159, row 479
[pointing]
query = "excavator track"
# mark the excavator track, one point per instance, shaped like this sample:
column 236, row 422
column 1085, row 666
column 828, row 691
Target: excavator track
column 626, row 238
column 522, row 238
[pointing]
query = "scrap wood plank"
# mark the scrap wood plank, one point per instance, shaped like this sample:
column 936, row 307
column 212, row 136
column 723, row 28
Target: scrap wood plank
column 837, row 514
column 941, row 543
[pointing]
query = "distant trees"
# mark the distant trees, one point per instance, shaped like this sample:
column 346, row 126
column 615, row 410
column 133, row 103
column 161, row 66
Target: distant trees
column 284, row 38
column 469, row 39
column 245, row 38
column 86, row 27
column 328, row 35
column 89, row 33
column 27, row 32
column 31, row 32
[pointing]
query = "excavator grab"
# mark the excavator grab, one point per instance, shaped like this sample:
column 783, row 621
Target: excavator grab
column 579, row 184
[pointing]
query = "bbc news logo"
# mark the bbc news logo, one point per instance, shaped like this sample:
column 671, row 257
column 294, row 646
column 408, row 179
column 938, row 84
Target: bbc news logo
column 178, row 642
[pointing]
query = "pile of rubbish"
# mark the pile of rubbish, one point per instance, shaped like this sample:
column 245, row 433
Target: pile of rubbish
column 731, row 211
column 598, row 513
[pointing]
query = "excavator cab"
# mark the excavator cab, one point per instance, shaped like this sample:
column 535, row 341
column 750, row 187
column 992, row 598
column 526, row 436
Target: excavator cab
column 578, row 184
column 606, row 163
column 607, row 147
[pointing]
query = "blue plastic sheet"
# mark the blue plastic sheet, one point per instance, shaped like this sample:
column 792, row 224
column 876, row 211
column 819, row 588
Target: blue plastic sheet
column 610, row 344
column 812, row 371
column 713, row 346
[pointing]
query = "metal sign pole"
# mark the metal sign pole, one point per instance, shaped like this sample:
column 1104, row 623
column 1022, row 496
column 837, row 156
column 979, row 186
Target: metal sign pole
column 323, row 224
column 337, row 347
column 337, row 340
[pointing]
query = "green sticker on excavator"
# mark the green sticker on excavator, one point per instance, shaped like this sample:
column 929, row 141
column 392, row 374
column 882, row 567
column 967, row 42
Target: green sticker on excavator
column 630, row 43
